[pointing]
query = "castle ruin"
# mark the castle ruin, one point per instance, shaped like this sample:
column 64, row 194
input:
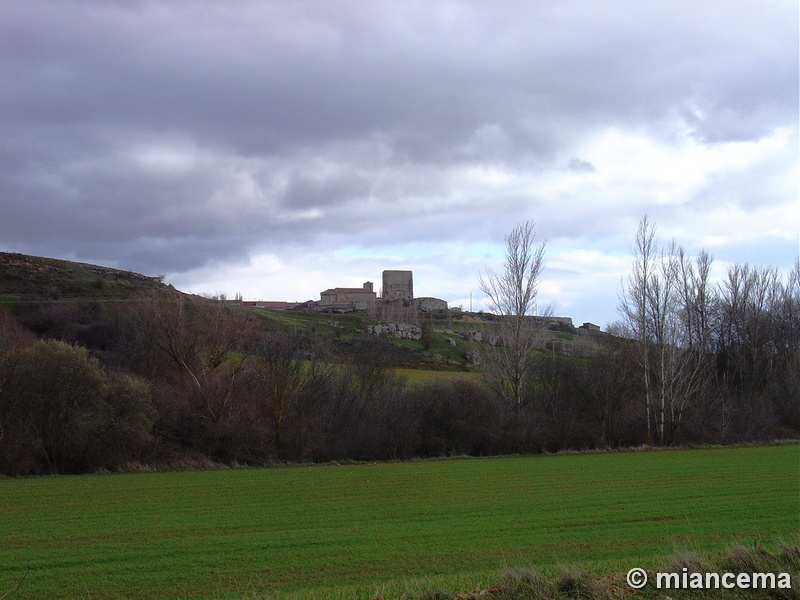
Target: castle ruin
column 397, row 291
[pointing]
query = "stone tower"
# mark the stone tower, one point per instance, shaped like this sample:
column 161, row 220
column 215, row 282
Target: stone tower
column 398, row 285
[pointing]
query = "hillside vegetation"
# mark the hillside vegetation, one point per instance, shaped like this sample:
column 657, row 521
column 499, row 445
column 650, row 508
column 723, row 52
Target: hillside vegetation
column 103, row 369
column 32, row 278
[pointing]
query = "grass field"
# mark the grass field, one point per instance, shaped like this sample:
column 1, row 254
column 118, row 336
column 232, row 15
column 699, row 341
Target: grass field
column 428, row 375
column 354, row 530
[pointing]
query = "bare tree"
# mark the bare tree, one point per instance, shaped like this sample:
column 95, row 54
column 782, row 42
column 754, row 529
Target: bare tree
column 680, row 310
column 693, row 309
column 203, row 340
column 788, row 326
column 512, row 297
column 667, row 306
column 634, row 300
column 282, row 375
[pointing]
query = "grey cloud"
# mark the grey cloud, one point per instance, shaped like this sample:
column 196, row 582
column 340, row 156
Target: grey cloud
column 181, row 67
column 308, row 191
column 581, row 166
column 327, row 118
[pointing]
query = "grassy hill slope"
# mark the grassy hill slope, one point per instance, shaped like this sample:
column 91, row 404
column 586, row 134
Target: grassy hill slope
column 42, row 289
column 35, row 278
column 53, row 295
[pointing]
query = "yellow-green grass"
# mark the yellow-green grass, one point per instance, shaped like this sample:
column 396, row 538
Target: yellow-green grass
column 427, row 375
column 352, row 530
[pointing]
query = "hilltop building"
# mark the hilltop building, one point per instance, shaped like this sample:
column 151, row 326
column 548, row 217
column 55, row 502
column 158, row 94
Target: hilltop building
column 362, row 298
column 397, row 291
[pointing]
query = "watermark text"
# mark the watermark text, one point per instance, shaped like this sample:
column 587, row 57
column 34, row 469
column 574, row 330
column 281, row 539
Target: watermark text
column 691, row 580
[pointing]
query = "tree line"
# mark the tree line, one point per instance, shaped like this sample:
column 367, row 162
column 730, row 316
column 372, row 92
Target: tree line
column 176, row 380
column 726, row 354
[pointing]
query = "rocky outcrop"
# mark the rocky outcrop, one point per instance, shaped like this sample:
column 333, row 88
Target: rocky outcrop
column 404, row 331
column 473, row 356
column 471, row 335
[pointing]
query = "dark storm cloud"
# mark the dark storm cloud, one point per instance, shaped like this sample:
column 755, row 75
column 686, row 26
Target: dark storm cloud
column 157, row 135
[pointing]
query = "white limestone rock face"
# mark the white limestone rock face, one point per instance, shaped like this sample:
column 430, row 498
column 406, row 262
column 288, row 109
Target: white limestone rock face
column 403, row 331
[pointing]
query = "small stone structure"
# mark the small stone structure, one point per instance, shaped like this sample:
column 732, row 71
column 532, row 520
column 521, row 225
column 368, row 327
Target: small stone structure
column 589, row 329
column 429, row 304
column 272, row 304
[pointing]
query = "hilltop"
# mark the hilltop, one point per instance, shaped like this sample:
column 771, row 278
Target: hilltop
column 438, row 341
column 60, row 298
column 32, row 278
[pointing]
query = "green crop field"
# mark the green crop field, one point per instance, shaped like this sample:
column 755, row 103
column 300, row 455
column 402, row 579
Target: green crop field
column 354, row 530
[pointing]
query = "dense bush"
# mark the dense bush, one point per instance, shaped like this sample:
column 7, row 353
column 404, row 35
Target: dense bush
column 63, row 414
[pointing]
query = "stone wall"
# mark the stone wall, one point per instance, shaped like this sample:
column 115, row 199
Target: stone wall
column 430, row 304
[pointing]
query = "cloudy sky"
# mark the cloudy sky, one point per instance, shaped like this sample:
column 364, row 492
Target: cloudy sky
column 275, row 148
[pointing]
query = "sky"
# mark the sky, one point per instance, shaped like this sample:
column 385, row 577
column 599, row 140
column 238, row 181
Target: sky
column 277, row 148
